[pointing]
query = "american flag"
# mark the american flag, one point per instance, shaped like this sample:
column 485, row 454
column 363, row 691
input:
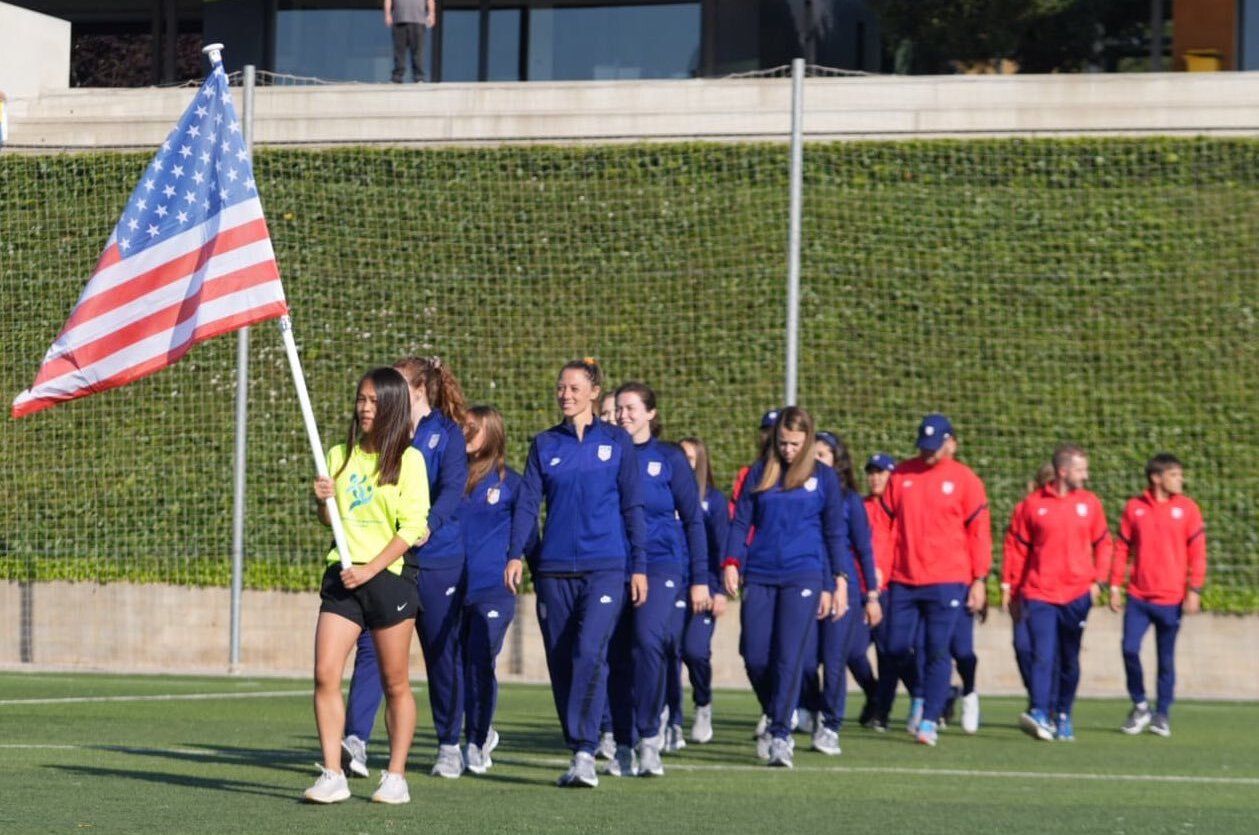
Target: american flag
column 190, row 259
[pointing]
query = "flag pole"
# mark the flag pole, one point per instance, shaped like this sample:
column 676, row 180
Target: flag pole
column 215, row 51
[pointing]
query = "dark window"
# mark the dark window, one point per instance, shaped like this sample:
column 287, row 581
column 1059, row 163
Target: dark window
column 331, row 41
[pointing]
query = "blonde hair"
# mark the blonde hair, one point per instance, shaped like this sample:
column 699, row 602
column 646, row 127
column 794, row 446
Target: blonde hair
column 493, row 452
column 795, row 474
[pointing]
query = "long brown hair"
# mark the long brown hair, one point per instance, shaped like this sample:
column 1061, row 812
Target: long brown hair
column 703, row 465
column 433, row 375
column 392, row 430
column 492, row 456
column 796, row 473
column 843, row 463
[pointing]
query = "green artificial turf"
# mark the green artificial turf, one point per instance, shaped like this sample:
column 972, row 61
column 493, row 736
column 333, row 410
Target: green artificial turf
column 240, row 764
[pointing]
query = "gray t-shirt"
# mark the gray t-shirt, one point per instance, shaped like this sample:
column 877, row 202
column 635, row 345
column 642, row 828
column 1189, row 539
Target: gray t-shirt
column 410, row 11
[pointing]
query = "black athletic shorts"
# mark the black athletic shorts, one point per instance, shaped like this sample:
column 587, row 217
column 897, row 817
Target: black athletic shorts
column 382, row 601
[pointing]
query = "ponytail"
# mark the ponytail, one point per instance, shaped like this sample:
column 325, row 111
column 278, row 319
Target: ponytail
column 434, row 376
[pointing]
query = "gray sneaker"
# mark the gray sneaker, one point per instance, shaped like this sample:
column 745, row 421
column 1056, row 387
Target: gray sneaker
column 449, row 762
column 393, row 789
column 477, row 759
column 762, row 746
column 702, row 727
column 674, row 739
column 607, row 746
column 762, row 725
column 491, row 742
column 826, row 741
column 354, row 756
column 331, row 787
column 581, row 774
column 623, row 764
column 1138, row 719
column 806, row 722
column 780, row 754
column 1159, row 725
column 649, row 764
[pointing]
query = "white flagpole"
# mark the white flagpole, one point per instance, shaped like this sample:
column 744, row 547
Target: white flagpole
column 299, row 382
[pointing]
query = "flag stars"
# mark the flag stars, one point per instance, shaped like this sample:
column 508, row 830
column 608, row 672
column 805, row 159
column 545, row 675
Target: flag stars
column 185, row 151
column 223, row 194
column 201, row 111
column 161, row 211
column 142, row 204
column 177, row 171
column 124, row 245
column 232, row 175
column 158, row 165
column 190, row 197
column 207, row 91
column 234, row 127
column 133, row 224
column 241, row 154
column 249, row 184
column 218, row 118
column 205, row 158
column 212, row 136
column 205, row 204
column 225, row 97
column 169, row 191
column 182, row 217
column 226, row 146
column 198, row 177
column 193, row 131
column 166, row 145
column 152, row 230
column 149, row 184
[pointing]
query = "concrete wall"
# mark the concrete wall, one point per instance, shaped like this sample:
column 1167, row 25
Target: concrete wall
column 868, row 107
column 34, row 52
column 174, row 629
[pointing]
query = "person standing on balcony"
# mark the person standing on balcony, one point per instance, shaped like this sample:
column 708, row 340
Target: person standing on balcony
column 406, row 19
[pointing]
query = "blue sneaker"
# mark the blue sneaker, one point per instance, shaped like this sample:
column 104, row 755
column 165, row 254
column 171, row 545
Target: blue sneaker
column 1065, row 731
column 915, row 716
column 927, row 733
column 1036, row 725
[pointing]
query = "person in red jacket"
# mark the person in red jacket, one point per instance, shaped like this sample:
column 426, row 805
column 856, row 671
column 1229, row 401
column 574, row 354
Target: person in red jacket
column 1062, row 539
column 1163, row 533
column 941, row 553
column 1012, row 565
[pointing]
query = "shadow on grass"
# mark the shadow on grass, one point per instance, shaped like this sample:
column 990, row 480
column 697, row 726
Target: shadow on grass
column 183, row 780
column 277, row 759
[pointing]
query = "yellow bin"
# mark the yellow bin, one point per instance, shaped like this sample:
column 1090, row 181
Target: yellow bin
column 1203, row 60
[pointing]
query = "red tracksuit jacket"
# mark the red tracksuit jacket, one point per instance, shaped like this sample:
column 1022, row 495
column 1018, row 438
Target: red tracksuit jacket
column 880, row 540
column 940, row 525
column 1064, row 545
column 1011, row 557
column 1167, row 542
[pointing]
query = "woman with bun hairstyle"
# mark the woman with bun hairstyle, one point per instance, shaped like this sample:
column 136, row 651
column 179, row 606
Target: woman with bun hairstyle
column 437, row 414
column 794, row 572
column 381, row 491
column 587, row 473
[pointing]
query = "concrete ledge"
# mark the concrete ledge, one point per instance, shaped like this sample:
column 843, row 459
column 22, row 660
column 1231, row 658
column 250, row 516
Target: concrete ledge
column 173, row 629
column 865, row 107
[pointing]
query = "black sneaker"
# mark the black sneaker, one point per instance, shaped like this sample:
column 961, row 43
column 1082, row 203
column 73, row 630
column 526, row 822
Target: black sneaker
column 1159, row 725
column 867, row 714
column 1138, row 719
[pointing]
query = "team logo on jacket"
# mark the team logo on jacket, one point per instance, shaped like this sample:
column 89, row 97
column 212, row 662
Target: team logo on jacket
column 1042, row 511
column 1178, row 512
column 653, row 468
column 679, row 604
column 555, row 462
column 668, row 584
column 1082, row 509
column 434, row 440
column 492, row 614
column 909, row 482
column 1140, row 512
column 605, row 452
column 806, row 593
column 491, row 495
column 948, row 487
column 811, row 484
column 704, row 504
column 607, row 598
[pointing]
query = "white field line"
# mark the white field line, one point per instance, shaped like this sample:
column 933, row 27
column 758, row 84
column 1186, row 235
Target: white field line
column 171, row 697
column 213, row 753
column 925, row 772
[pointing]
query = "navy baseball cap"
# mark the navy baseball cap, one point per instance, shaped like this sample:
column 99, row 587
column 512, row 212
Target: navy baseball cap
column 829, row 439
column 770, row 418
column 880, row 461
column 933, row 431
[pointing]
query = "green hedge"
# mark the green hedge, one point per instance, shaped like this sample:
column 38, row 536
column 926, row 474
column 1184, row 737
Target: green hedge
column 1096, row 290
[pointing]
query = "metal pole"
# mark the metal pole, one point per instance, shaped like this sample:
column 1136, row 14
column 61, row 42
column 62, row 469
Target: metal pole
column 242, row 421
column 793, row 234
column 1156, row 35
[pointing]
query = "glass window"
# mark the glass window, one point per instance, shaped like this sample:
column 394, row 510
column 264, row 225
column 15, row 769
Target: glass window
column 461, row 40
column 336, row 43
column 614, row 41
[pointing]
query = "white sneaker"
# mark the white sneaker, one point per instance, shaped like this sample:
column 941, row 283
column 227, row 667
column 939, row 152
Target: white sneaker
column 664, row 721
column 826, row 741
column 674, row 739
column 762, row 746
column 649, row 764
column 331, row 787
column 477, row 759
column 449, row 762
column 762, row 725
column 623, row 764
column 795, row 719
column 702, row 727
column 806, row 722
column 581, row 774
column 354, row 756
column 607, row 746
column 491, row 742
column 970, row 713
column 392, row 789
column 781, row 754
